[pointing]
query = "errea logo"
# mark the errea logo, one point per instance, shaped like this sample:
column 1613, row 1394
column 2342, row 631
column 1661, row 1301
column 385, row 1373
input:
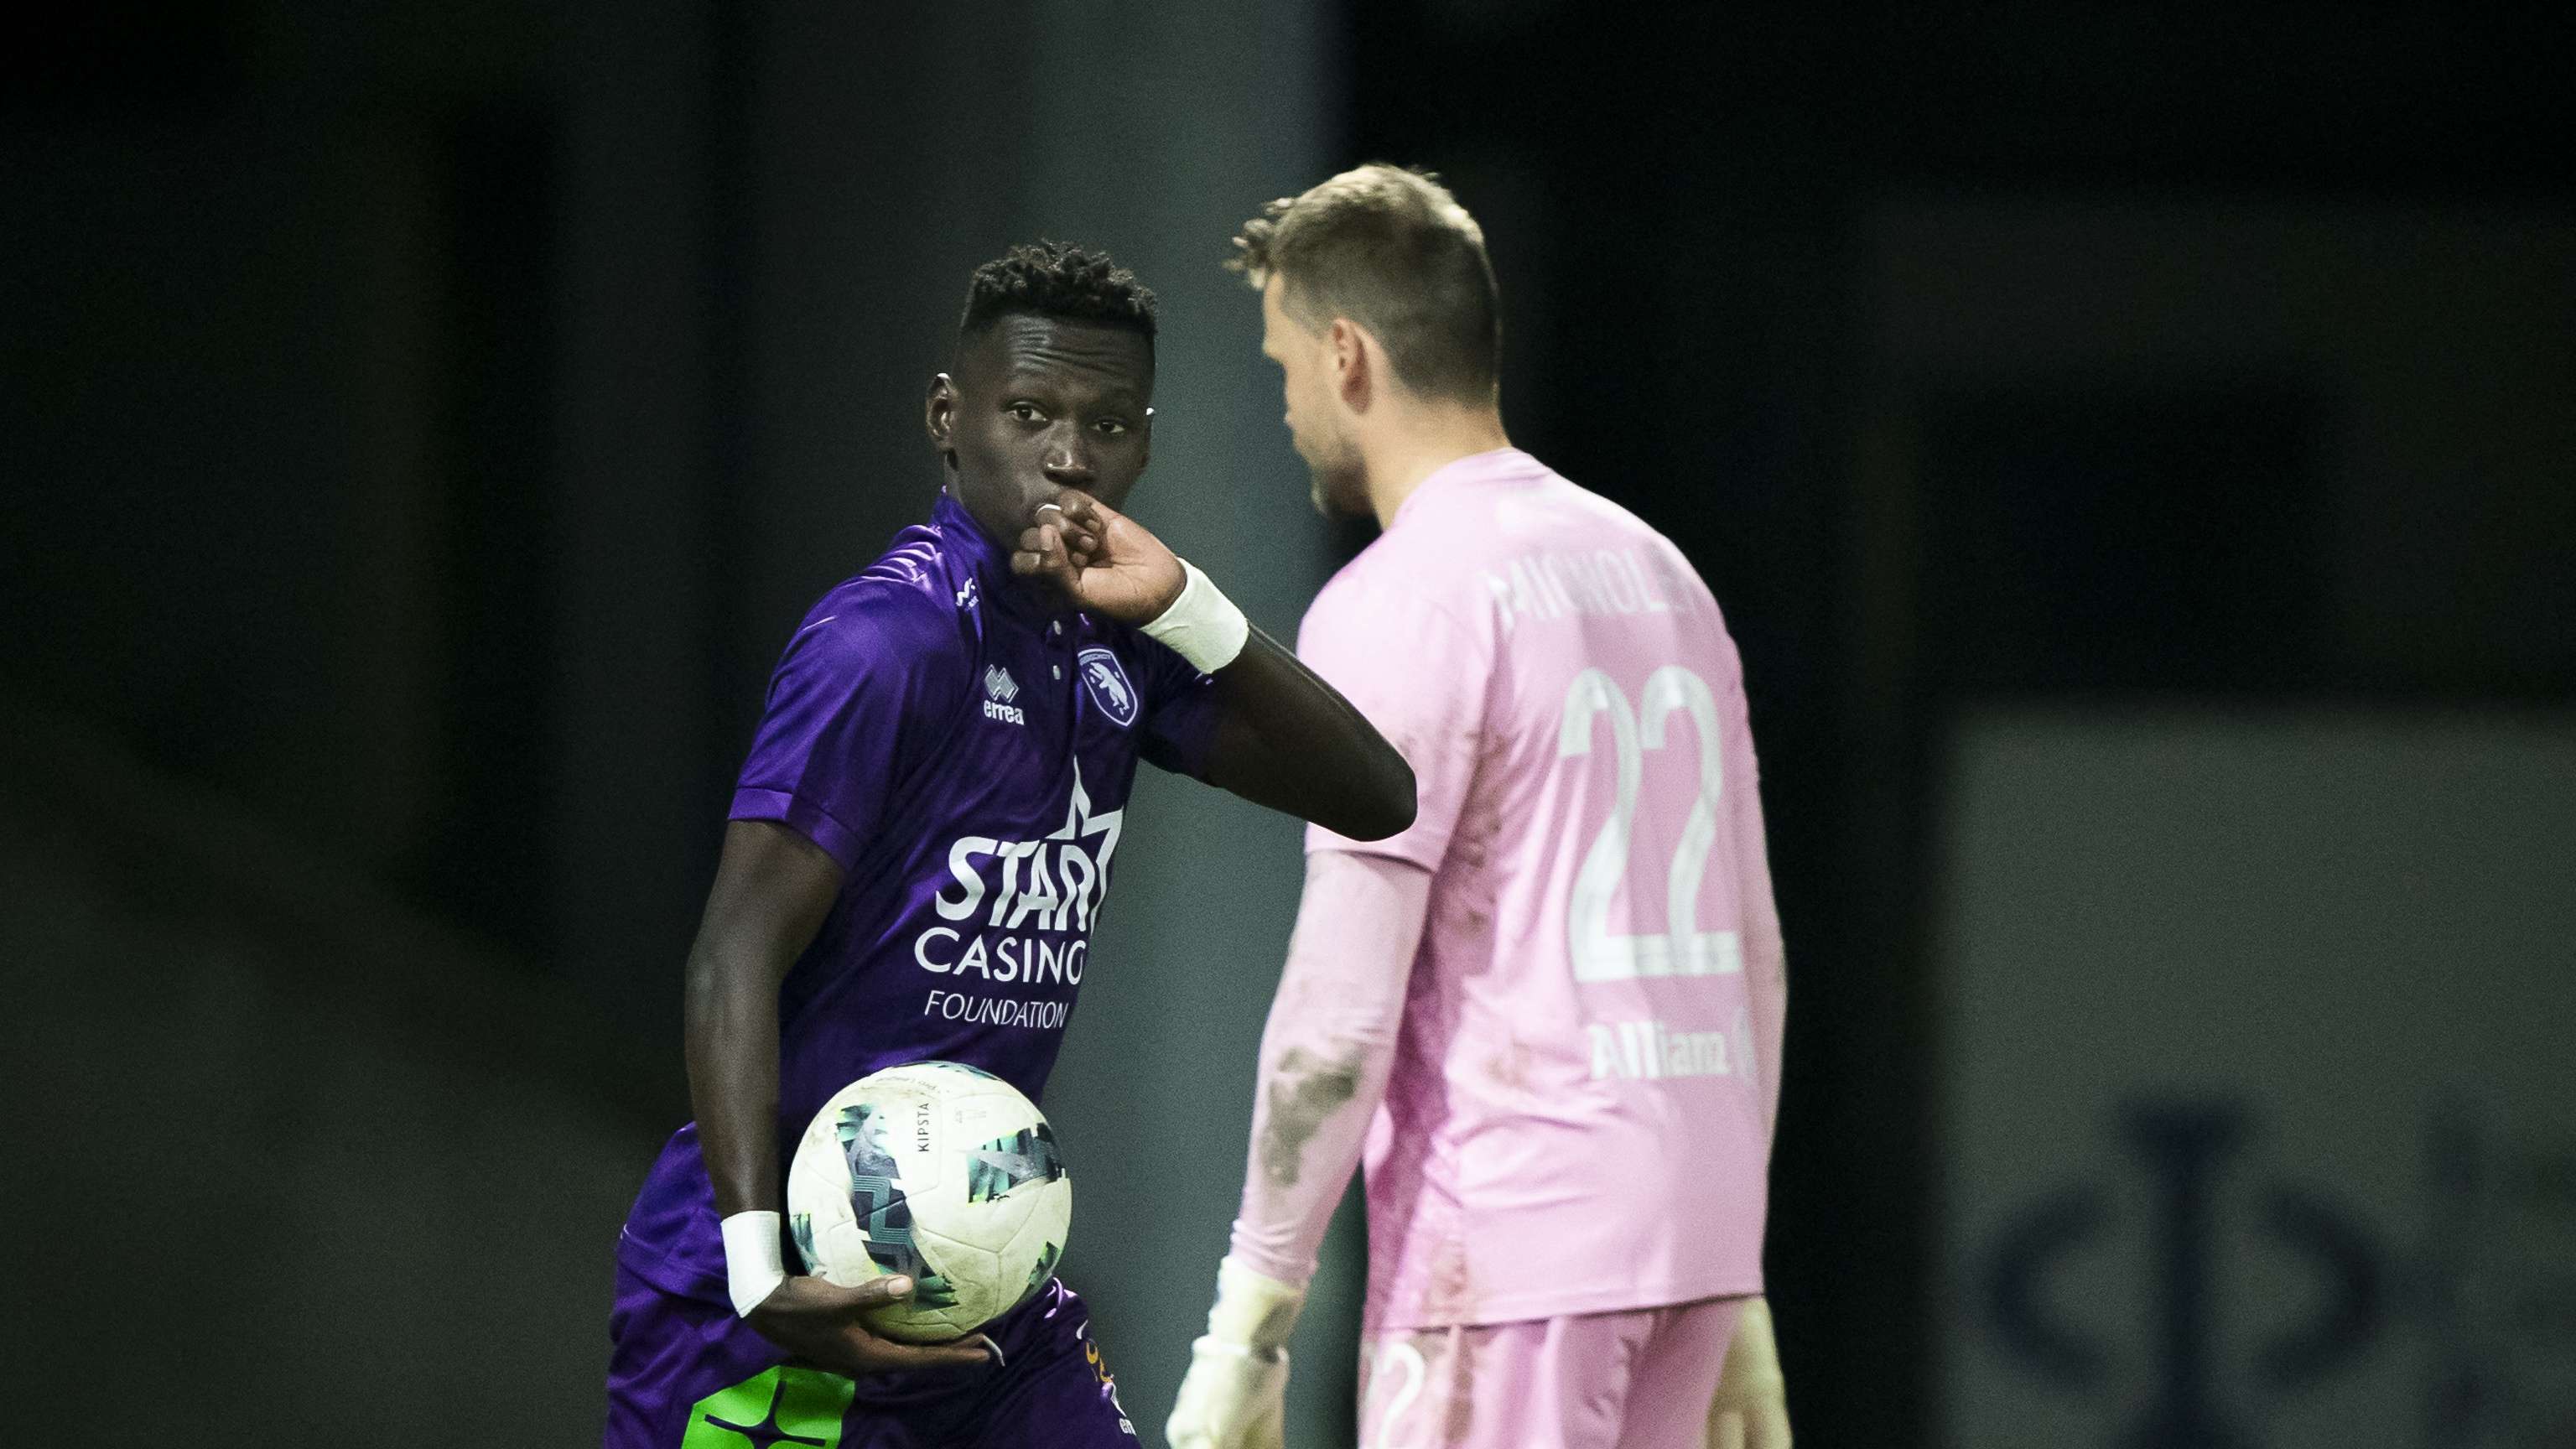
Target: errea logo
column 999, row 690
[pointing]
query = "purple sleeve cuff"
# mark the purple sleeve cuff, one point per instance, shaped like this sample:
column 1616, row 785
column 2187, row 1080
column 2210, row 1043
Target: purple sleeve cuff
column 802, row 816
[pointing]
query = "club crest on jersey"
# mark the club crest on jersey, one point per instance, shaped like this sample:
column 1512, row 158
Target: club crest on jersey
column 999, row 690
column 1106, row 678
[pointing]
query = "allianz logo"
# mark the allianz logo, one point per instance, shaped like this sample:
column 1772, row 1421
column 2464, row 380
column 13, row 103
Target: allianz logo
column 999, row 690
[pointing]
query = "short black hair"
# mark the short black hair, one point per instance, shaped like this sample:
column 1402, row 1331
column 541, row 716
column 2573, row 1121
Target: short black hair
column 1057, row 279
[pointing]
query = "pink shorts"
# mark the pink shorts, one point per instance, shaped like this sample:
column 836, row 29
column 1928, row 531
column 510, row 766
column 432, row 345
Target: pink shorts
column 1636, row 1380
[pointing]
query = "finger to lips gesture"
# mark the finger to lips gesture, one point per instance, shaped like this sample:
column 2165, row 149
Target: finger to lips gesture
column 1101, row 559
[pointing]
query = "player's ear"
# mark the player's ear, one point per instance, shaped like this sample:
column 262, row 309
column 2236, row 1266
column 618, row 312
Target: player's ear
column 1349, row 357
column 939, row 414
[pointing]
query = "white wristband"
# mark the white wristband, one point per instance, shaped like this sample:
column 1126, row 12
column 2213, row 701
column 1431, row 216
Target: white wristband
column 1202, row 626
column 754, row 1267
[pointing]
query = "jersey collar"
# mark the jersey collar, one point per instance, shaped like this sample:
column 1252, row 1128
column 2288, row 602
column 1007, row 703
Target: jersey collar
column 1492, row 466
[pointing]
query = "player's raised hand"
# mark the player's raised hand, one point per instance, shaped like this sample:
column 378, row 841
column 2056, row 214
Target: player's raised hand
column 1751, row 1409
column 819, row 1322
column 1102, row 560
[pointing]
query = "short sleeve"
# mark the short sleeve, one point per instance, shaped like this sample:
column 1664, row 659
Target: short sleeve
column 1420, row 677
column 854, row 697
column 1180, row 709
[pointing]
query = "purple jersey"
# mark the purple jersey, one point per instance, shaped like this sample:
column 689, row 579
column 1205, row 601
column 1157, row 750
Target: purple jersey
column 963, row 745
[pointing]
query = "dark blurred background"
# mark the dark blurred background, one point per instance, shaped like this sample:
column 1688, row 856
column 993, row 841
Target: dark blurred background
column 2136, row 452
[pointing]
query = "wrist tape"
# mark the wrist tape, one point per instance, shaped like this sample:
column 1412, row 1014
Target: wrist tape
column 754, row 1266
column 1202, row 626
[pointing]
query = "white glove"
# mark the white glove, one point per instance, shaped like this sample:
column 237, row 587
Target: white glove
column 1234, row 1396
column 1751, row 1408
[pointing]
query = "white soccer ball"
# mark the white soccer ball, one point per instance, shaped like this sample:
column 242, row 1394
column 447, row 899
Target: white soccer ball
column 937, row 1170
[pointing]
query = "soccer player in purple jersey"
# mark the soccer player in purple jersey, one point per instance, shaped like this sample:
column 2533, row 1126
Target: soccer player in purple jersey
column 919, row 844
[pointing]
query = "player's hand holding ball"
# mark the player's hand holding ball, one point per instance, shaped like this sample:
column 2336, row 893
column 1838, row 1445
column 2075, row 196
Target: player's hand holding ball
column 1235, row 1394
column 819, row 1322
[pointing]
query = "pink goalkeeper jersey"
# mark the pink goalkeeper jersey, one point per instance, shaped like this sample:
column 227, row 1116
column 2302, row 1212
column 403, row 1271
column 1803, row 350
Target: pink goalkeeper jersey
column 1578, row 1118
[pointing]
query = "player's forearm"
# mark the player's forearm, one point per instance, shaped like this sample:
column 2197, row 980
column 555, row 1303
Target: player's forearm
column 1766, row 965
column 731, row 1026
column 1767, row 985
column 1766, row 976
column 773, row 888
column 1288, row 740
column 1310, row 1121
column 1326, row 1053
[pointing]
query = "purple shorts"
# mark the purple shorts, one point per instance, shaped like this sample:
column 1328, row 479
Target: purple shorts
column 684, row 1373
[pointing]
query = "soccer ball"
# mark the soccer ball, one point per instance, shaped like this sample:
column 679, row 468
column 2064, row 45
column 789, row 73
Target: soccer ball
column 936, row 1170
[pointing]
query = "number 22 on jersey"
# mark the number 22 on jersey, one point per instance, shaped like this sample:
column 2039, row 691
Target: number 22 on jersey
column 1597, row 952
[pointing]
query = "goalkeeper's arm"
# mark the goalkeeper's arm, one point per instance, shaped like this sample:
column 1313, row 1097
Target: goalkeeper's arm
column 1324, row 1061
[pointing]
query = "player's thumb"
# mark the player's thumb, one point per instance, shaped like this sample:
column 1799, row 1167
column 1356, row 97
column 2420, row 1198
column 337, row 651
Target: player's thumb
column 877, row 1292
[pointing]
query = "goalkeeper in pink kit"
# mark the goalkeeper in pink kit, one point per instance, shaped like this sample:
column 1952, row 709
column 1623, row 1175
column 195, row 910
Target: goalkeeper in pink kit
column 1548, row 1015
